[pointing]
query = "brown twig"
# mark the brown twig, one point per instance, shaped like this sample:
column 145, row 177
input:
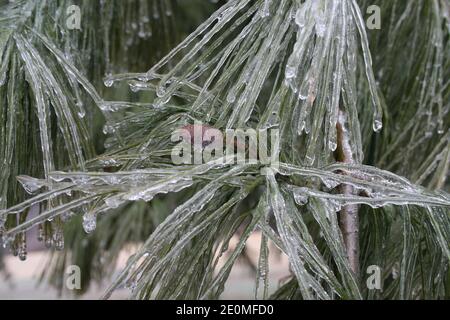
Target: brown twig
column 348, row 216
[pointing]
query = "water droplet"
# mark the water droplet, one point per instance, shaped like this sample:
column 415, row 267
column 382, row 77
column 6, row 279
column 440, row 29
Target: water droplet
column 107, row 129
column 108, row 81
column 40, row 236
column 300, row 17
column 6, row 241
column 134, row 87
column 59, row 245
column 300, row 198
column 161, row 91
column 231, row 97
column 377, row 125
column 48, row 242
column 31, row 185
column 330, row 184
column 89, row 222
column 320, row 29
column 290, row 72
column 265, row 10
column 332, row 145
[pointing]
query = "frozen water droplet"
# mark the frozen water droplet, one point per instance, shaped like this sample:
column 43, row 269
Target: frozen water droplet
column 81, row 110
column 377, row 125
column 59, row 245
column 395, row 272
column 134, row 87
column 300, row 198
column 290, row 72
column 301, row 127
column 108, row 82
column 231, row 97
column 159, row 103
column 40, row 236
column 161, row 91
column 332, row 145
column 333, row 206
column 330, row 184
column 22, row 250
column 309, row 160
column 58, row 239
column 320, row 30
column 321, row 25
column 265, row 10
column 107, row 129
column 31, row 185
column 6, row 241
column 300, row 17
column 113, row 202
column 48, row 242
column 89, row 222
column 2, row 79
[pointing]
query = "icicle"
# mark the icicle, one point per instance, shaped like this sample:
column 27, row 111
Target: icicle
column 332, row 145
column 41, row 103
column 22, row 249
column 300, row 198
column 263, row 267
column 108, row 81
column 377, row 123
column 58, row 239
column 31, row 185
column 378, row 111
column 174, row 185
column 7, row 240
column 332, row 137
column 48, row 241
column 301, row 16
column 89, row 222
column 231, row 97
column 14, row 249
column 291, row 72
column 320, row 19
column 81, row 111
column 4, row 65
column 41, row 234
column 108, row 129
column 265, row 10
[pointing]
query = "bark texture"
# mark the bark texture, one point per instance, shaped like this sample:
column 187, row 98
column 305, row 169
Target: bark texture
column 348, row 216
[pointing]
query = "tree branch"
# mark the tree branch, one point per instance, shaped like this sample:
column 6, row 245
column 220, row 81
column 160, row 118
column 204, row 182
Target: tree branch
column 348, row 216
